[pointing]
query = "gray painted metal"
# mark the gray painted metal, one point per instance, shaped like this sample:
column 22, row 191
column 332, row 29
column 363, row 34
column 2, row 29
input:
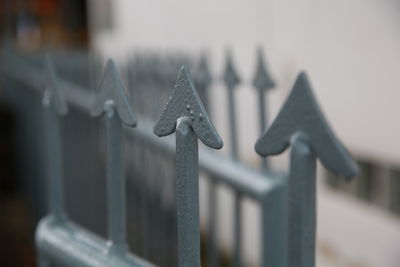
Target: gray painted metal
column 69, row 245
column 301, row 124
column 112, row 98
column 185, row 102
column 185, row 112
column 263, row 82
column 232, row 80
column 204, row 81
column 58, row 240
column 54, row 101
column 53, row 94
column 287, row 203
column 112, row 89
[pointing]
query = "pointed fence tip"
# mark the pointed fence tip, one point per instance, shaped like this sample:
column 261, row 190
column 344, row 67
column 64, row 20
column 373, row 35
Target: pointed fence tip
column 112, row 91
column 185, row 102
column 301, row 114
column 262, row 79
column 204, row 74
column 231, row 78
column 53, row 95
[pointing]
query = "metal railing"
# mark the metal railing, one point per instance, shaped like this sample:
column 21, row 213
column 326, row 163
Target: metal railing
column 287, row 201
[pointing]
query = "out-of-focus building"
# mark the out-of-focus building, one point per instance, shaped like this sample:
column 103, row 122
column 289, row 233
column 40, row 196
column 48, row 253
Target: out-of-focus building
column 350, row 50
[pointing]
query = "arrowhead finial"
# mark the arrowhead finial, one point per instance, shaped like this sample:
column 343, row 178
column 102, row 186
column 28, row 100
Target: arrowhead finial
column 231, row 77
column 53, row 94
column 262, row 80
column 301, row 114
column 204, row 74
column 185, row 102
column 111, row 90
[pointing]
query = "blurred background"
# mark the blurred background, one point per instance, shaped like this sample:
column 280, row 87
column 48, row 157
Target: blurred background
column 349, row 48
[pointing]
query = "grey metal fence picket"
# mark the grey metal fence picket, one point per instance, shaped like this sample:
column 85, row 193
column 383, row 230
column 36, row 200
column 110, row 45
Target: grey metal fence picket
column 287, row 201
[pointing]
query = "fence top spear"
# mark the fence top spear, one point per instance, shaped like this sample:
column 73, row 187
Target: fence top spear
column 185, row 102
column 53, row 95
column 112, row 91
column 231, row 77
column 302, row 115
column 262, row 79
column 204, row 73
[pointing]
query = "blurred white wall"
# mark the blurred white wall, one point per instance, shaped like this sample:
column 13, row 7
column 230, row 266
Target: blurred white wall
column 350, row 48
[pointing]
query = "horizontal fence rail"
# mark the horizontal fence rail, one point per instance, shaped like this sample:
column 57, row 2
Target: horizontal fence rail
column 287, row 201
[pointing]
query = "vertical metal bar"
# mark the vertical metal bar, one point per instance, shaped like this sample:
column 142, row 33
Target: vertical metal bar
column 237, row 228
column 299, row 122
column 263, row 122
column 274, row 227
column 263, row 82
column 56, row 190
column 232, row 80
column 115, row 180
column 212, row 253
column 232, row 124
column 302, row 206
column 187, row 193
column 185, row 114
column 205, row 81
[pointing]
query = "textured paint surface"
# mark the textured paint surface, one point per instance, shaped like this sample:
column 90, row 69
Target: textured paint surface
column 302, row 205
column 187, row 195
column 185, row 114
column 301, row 124
column 301, row 113
column 185, row 102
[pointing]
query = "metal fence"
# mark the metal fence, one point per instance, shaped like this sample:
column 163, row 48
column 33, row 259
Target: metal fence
column 287, row 201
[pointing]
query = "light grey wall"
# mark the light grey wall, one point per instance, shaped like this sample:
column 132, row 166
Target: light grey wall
column 350, row 48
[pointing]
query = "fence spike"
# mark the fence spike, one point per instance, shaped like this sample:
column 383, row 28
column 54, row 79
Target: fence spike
column 231, row 77
column 185, row 102
column 112, row 89
column 204, row 73
column 112, row 100
column 263, row 82
column 54, row 100
column 262, row 79
column 301, row 113
column 185, row 115
column 301, row 124
column 53, row 95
